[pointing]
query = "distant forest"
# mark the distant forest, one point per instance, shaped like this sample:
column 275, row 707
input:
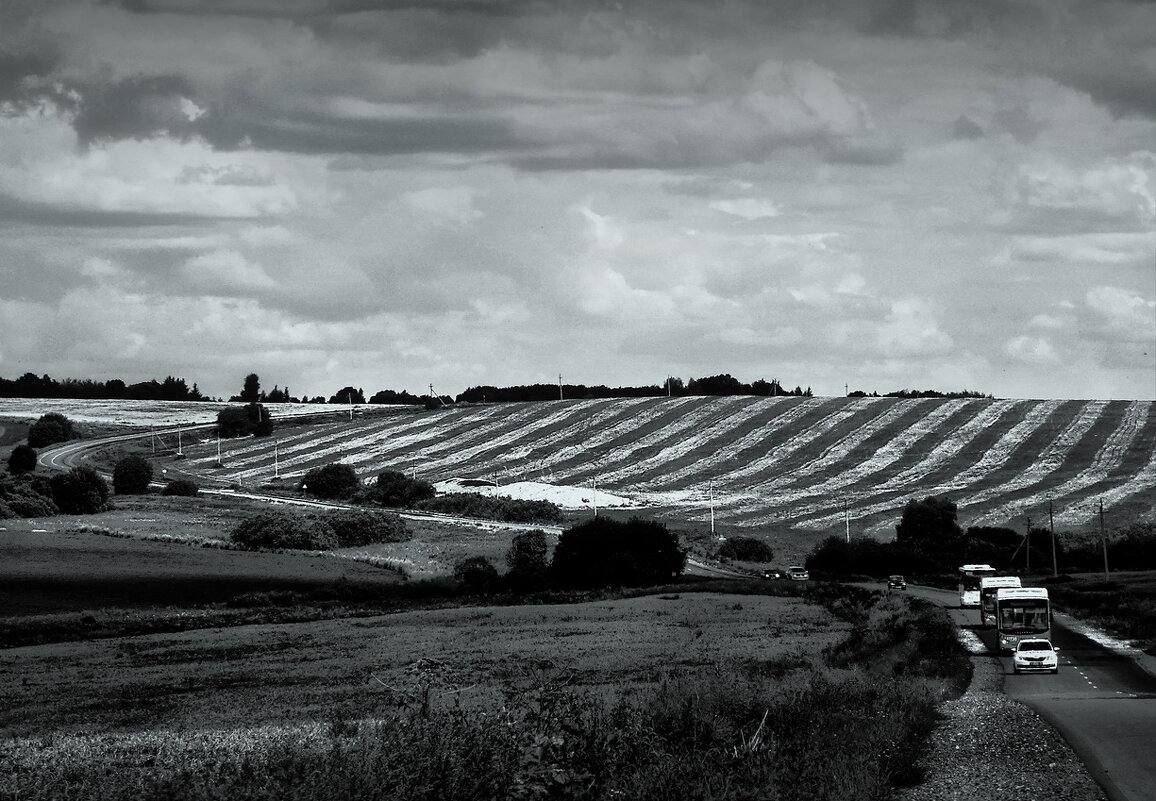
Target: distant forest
column 177, row 389
column 724, row 384
column 33, row 386
column 919, row 393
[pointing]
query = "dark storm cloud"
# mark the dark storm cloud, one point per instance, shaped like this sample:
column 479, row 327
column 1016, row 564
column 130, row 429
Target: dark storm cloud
column 136, row 107
column 304, row 9
column 1123, row 93
column 966, row 128
column 14, row 211
column 315, row 133
column 22, row 74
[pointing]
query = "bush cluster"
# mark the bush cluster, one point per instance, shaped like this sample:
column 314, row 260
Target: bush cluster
column 332, row 481
column 50, row 429
column 604, row 552
column 506, row 510
column 131, row 475
column 746, row 549
column 279, row 529
column 26, row 495
column 395, row 490
column 356, row 527
column 80, row 491
column 325, row 531
column 22, row 459
column 181, row 487
column 242, row 421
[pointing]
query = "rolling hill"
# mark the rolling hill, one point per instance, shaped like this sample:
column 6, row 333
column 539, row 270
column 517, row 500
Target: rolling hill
column 810, row 464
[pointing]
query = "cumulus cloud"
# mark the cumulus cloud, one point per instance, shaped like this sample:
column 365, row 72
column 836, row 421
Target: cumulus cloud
column 1031, row 350
column 1122, row 315
column 42, row 163
column 1123, row 188
column 225, row 273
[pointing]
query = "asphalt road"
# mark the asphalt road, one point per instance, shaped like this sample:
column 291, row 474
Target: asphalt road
column 1101, row 701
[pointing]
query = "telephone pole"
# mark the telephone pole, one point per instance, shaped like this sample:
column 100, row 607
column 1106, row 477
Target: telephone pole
column 1052, row 529
column 1104, row 539
column 560, row 395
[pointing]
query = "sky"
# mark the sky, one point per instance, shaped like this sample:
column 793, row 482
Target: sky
column 389, row 194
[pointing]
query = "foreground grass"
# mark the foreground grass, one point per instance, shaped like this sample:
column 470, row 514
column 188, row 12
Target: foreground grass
column 849, row 725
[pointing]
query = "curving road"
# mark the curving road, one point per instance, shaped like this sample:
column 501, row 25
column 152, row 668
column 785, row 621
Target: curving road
column 1102, row 701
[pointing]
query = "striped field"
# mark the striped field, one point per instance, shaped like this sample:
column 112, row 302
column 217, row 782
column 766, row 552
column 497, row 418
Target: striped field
column 803, row 463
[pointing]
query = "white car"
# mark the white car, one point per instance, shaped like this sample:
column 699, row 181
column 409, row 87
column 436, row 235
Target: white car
column 1031, row 655
column 797, row 573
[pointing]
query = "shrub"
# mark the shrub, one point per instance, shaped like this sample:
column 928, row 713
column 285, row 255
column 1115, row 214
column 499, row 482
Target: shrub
column 131, row 475
column 396, row 490
column 476, row 575
column 278, row 529
column 80, row 491
column 507, row 510
column 746, row 549
column 526, row 559
column 181, row 487
column 25, row 495
column 355, row 527
column 22, row 459
column 609, row 553
column 241, row 421
column 334, row 480
column 50, row 429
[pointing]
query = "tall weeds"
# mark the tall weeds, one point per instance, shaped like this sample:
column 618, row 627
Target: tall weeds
column 851, row 730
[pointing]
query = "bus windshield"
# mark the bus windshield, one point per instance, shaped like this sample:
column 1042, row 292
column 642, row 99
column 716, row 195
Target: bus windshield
column 1028, row 616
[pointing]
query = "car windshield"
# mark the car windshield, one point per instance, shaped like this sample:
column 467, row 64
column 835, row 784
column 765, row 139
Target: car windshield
column 1036, row 645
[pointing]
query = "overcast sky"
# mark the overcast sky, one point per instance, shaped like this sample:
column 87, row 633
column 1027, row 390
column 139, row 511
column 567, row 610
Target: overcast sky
column 885, row 194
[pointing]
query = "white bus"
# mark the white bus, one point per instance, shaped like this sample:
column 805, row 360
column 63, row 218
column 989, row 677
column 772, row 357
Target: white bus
column 987, row 588
column 1022, row 613
column 969, row 576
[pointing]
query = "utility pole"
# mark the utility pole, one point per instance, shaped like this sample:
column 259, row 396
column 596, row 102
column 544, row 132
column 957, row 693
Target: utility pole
column 1052, row 529
column 711, row 491
column 594, row 487
column 847, row 520
column 560, row 395
column 1028, row 541
column 1104, row 539
column 276, row 461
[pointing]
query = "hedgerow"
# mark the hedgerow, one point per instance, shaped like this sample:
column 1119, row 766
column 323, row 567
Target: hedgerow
column 506, row 510
column 355, row 527
column 319, row 531
column 277, row 529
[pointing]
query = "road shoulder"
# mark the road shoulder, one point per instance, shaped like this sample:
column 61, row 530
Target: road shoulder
column 990, row 746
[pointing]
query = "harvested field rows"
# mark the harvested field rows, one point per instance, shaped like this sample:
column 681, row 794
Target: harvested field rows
column 804, row 463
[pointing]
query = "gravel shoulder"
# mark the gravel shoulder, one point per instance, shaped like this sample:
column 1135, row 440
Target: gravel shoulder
column 989, row 746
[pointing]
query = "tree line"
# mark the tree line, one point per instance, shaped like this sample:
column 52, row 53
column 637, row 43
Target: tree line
column 722, row 384
column 31, row 385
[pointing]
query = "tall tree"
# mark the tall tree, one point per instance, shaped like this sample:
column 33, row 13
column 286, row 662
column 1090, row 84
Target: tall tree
column 252, row 390
column 930, row 521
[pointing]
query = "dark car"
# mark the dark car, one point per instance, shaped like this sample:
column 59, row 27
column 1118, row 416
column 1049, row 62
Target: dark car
column 896, row 583
column 772, row 574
